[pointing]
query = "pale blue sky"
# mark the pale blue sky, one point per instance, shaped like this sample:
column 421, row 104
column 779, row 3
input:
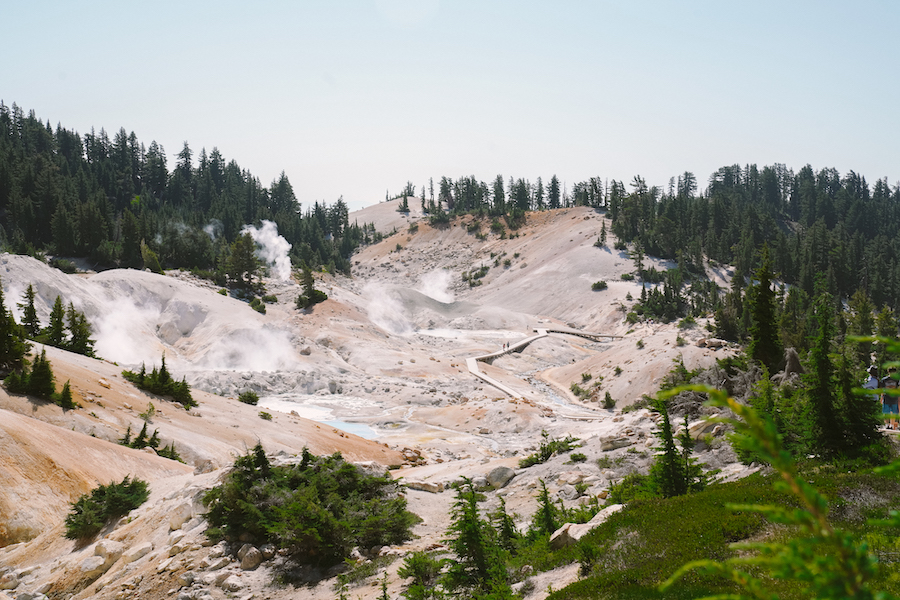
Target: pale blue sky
column 355, row 97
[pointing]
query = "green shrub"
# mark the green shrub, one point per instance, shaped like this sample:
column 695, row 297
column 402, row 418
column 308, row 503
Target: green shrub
column 161, row 383
column 315, row 511
column 424, row 570
column 577, row 457
column 142, row 441
column 687, row 322
column 627, row 277
column 617, row 370
column 579, row 391
column 103, row 504
column 599, row 286
column 64, row 265
column 608, row 401
column 257, row 305
column 265, row 416
column 548, row 449
column 270, row 298
column 249, row 397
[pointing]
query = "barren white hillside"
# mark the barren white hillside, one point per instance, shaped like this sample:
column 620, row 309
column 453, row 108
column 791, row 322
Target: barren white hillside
column 384, row 357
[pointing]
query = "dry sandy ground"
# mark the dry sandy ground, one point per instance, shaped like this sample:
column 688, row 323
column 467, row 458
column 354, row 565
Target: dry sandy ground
column 384, row 356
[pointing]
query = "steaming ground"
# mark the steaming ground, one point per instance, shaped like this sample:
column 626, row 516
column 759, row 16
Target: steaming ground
column 380, row 367
column 386, row 353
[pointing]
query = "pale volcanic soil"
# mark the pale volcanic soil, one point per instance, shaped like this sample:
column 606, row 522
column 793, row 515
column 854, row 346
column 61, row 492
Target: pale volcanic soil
column 377, row 372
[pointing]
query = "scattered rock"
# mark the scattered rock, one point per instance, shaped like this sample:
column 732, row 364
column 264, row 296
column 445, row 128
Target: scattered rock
column 570, row 533
column 568, row 492
column 268, row 551
column 232, row 584
column 109, row 550
column 180, row 515
column 9, row 581
column 138, row 552
column 425, row 486
column 214, row 564
column 500, row 476
column 252, row 558
column 217, row 550
column 608, row 444
column 244, row 550
column 92, row 566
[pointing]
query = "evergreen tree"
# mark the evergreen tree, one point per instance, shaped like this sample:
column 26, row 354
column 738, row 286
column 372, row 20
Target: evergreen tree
column 668, row 476
column 126, row 439
column 861, row 412
column 153, row 442
column 825, row 431
column 886, row 327
column 546, row 519
column 141, row 440
column 243, row 265
column 80, row 340
column 30, row 321
column 507, row 535
column 310, row 296
column 765, row 345
column 553, row 193
column 41, row 382
column 480, row 564
column 150, row 259
column 55, row 333
column 163, row 377
column 65, row 397
column 12, row 341
column 861, row 322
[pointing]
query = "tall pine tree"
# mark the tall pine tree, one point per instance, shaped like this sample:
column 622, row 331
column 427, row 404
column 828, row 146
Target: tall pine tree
column 765, row 344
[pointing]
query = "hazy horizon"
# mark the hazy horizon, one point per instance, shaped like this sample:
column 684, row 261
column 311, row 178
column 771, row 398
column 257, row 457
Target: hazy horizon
column 354, row 99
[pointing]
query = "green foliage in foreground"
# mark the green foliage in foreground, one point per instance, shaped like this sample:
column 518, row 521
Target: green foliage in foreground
column 317, row 511
column 800, row 549
column 104, row 503
column 160, row 382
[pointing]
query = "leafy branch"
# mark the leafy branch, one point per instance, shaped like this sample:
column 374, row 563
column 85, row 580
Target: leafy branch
column 828, row 562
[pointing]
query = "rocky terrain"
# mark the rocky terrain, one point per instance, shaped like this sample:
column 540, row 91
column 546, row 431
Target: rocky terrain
column 378, row 372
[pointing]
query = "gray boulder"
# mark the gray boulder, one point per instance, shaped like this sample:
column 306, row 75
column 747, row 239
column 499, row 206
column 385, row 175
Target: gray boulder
column 570, row 533
column 500, row 476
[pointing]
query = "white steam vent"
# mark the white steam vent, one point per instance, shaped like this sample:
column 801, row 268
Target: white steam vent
column 436, row 285
column 272, row 249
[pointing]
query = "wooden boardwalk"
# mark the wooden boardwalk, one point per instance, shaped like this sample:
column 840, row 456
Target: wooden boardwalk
column 472, row 362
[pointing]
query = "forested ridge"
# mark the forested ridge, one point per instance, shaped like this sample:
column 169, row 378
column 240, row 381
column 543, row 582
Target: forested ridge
column 113, row 199
column 88, row 195
column 812, row 221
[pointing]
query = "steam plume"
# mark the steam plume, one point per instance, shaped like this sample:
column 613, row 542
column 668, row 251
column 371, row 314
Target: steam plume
column 272, row 248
